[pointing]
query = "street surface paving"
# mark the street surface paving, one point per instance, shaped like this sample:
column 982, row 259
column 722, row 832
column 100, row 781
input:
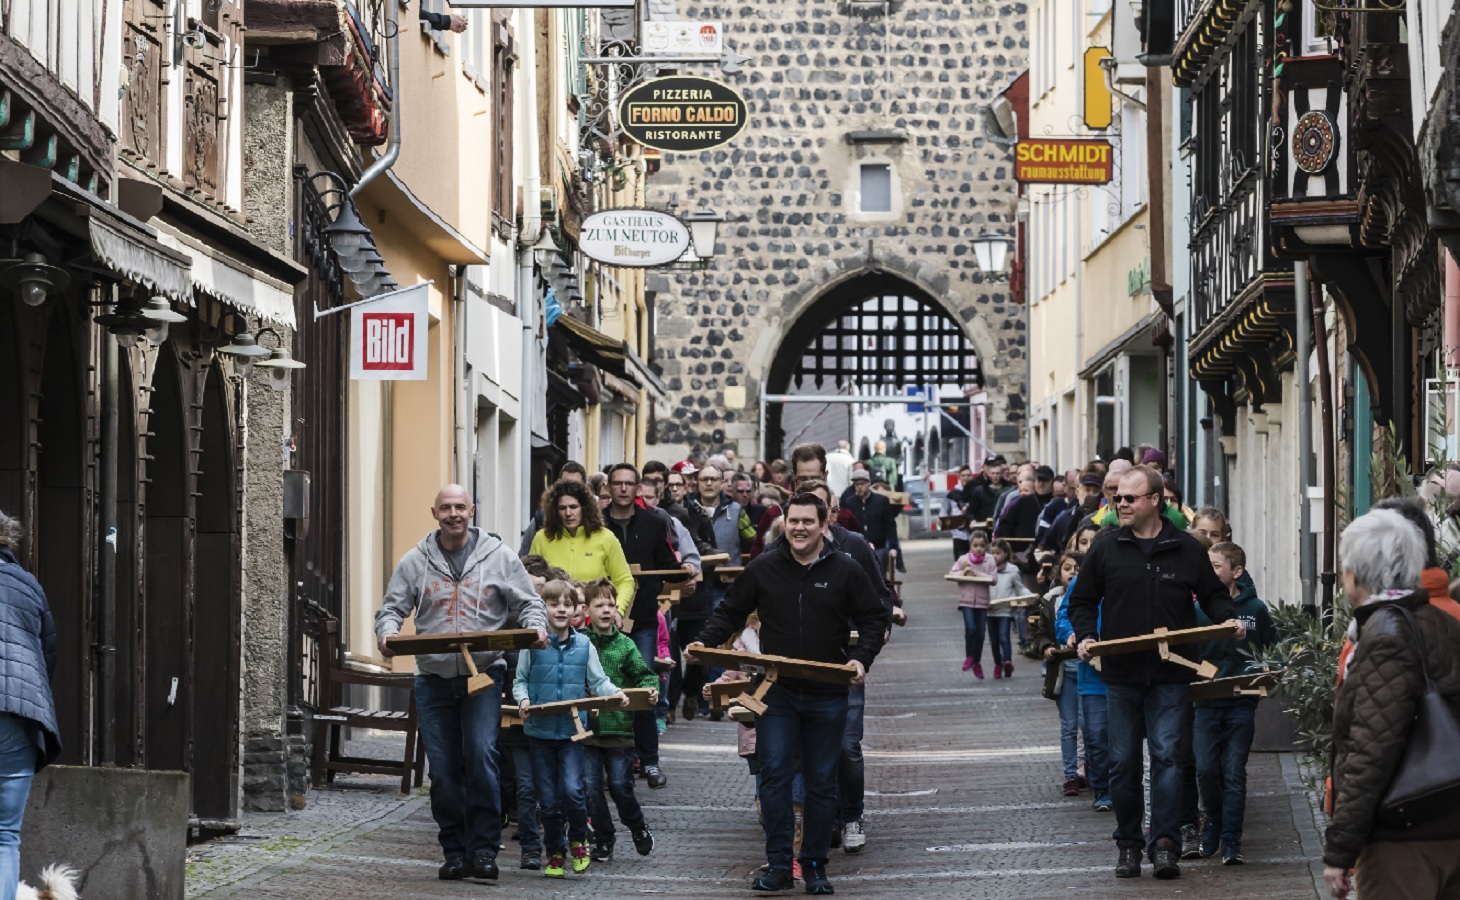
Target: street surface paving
column 963, row 801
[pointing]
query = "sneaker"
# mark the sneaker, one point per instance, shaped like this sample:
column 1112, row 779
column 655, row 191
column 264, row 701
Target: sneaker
column 1102, row 802
column 816, row 882
column 601, row 851
column 1209, row 840
column 774, row 881
column 1072, row 787
column 662, row 724
column 644, row 840
column 1164, row 859
column 655, row 777
column 967, row 663
column 854, row 836
column 531, row 859
column 484, row 867
column 998, row 671
column 1129, row 865
column 978, row 671
column 453, row 869
column 1190, row 842
column 1008, row 670
column 1232, row 852
column 578, row 850
column 796, row 870
column 554, row 868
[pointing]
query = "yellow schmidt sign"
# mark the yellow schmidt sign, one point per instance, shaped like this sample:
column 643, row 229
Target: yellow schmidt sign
column 1063, row 161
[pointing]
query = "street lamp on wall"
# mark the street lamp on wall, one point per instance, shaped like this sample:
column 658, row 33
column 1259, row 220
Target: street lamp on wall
column 32, row 278
column 159, row 313
column 704, row 231
column 281, row 363
column 244, row 350
column 991, row 253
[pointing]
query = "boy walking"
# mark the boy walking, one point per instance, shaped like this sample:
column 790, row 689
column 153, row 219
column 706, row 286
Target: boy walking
column 1222, row 735
column 546, row 676
column 612, row 744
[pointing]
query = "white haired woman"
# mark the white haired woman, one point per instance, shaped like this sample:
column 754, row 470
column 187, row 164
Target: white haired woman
column 1383, row 557
column 29, row 737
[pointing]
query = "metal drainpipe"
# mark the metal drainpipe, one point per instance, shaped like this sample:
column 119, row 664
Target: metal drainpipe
column 392, row 153
column 106, row 614
column 1303, row 328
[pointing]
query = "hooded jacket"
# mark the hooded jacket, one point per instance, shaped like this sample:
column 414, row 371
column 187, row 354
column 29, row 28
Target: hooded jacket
column 494, row 593
column 1231, row 656
column 1120, row 593
column 28, row 657
column 804, row 610
column 588, row 556
column 625, row 667
column 1372, row 718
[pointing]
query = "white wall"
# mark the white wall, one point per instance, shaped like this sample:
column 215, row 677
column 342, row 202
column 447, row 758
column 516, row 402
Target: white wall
column 1263, row 496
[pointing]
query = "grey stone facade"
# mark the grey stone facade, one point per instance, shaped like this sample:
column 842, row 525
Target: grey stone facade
column 821, row 70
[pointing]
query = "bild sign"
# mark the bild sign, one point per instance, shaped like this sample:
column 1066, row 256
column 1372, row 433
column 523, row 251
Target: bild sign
column 388, row 337
column 682, row 114
column 1057, row 161
column 636, row 238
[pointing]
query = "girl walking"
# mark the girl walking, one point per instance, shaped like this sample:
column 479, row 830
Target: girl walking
column 1007, row 583
column 973, row 599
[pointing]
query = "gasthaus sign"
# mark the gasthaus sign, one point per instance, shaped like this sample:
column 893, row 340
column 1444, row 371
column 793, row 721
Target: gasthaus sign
column 1058, row 161
column 635, row 238
column 682, row 114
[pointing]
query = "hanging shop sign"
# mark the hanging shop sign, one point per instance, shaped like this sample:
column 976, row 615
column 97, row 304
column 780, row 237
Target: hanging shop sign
column 1062, row 161
column 706, row 38
column 635, row 238
column 388, row 336
column 682, row 114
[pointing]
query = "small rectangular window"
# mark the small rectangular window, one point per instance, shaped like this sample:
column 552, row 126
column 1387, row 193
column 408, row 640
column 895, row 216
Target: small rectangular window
column 876, row 188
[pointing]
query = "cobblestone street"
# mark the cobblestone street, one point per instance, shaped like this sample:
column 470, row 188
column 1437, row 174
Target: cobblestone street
column 964, row 801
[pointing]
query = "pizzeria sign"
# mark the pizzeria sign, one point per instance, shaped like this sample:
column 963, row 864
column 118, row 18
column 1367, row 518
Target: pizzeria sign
column 682, row 114
column 1063, row 161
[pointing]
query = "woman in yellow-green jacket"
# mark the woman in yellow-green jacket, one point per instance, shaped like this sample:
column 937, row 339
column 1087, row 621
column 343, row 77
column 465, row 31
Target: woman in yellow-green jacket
column 574, row 539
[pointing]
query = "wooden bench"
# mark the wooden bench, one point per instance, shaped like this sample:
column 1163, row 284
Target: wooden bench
column 334, row 716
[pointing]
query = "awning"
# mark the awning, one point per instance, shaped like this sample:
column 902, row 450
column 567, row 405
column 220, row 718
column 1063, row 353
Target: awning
column 593, row 345
column 232, row 282
column 128, row 251
column 562, row 392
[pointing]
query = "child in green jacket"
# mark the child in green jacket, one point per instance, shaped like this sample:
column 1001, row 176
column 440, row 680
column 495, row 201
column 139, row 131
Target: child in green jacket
column 612, row 744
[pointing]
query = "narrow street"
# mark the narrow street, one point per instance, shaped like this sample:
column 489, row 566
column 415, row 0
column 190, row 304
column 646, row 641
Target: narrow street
column 964, row 801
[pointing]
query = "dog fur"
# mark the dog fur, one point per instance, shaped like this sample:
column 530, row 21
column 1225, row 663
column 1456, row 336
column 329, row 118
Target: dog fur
column 57, row 883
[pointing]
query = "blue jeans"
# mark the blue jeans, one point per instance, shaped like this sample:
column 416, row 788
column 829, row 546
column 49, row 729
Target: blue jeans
column 1097, row 746
column 646, row 729
column 619, row 761
column 1186, row 767
column 1223, row 739
column 975, row 624
column 851, row 772
column 998, row 627
column 1069, row 706
column 18, row 754
column 460, row 734
column 557, row 766
column 817, row 722
column 1153, row 714
column 527, row 827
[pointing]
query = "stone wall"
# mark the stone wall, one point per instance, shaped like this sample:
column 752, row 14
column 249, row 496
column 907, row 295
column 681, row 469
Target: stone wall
column 268, row 187
column 820, row 70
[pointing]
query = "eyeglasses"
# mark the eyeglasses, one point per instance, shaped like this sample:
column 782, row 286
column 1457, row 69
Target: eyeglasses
column 1130, row 499
column 710, row 479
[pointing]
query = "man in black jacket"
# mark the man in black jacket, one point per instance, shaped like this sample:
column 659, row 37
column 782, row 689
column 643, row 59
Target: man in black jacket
column 877, row 515
column 983, row 492
column 1135, row 580
column 647, row 543
column 806, row 593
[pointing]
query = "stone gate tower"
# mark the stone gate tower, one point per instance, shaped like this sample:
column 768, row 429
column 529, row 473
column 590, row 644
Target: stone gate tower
column 864, row 174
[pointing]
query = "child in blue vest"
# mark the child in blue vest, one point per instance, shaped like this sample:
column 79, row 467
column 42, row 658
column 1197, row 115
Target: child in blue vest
column 1092, row 714
column 567, row 670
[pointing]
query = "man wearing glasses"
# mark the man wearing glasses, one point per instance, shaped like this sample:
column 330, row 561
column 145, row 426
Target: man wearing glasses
column 1140, row 578
column 647, row 542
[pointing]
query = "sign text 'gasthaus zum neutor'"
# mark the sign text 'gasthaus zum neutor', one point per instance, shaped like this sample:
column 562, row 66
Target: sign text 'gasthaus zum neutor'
column 1063, row 161
column 635, row 238
column 682, row 114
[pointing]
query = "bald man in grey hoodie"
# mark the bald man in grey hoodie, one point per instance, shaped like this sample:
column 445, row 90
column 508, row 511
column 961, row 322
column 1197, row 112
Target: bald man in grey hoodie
column 461, row 579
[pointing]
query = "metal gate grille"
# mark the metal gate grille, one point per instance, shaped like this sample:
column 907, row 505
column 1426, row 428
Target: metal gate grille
column 893, row 340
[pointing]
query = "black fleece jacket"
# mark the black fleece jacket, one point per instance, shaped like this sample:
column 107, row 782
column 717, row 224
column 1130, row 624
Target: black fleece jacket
column 647, row 543
column 1122, row 593
column 804, row 610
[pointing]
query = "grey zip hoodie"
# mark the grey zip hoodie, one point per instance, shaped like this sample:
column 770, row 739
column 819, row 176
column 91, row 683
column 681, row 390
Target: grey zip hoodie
column 494, row 593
